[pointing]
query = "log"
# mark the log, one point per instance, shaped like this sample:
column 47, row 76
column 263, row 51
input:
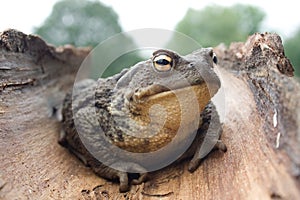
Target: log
column 261, row 128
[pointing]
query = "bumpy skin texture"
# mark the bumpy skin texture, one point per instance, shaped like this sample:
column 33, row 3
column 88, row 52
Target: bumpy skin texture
column 157, row 104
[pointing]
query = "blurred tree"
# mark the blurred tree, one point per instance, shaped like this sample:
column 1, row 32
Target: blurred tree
column 87, row 23
column 217, row 24
column 292, row 51
column 79, row 22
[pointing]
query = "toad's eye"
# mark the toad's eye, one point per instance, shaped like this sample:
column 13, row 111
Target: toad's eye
column 215, row 59
column 162, row 62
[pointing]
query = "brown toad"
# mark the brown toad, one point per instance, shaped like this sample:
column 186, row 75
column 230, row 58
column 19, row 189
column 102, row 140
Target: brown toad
column 145, row 117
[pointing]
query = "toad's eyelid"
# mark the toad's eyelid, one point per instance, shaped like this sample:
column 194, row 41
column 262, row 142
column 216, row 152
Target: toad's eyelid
column 162, row 56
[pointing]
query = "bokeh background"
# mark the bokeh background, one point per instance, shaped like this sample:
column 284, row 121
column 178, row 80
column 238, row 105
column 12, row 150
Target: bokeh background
column 88, row 22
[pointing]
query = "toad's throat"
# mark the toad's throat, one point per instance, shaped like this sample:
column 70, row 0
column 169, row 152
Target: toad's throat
column 160, row 115
column 172, row 107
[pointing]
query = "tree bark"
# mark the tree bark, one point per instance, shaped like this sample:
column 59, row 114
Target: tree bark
column 261, row 128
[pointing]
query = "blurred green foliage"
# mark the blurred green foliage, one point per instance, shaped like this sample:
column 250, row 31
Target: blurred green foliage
column 218, row 24
column 80, row 23
column 292, row 51
column 87, row 23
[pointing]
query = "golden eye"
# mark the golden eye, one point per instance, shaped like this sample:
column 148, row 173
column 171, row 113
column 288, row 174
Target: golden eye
column 162, row 62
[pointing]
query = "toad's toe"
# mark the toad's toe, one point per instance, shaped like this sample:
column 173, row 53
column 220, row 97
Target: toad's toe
column 142, row 178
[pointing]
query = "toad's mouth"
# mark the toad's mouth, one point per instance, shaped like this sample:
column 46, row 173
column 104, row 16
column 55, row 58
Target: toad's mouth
column 159, row 92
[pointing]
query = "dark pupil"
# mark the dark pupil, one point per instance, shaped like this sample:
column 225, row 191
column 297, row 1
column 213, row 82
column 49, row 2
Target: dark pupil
column 162, row 62
column 215, row 59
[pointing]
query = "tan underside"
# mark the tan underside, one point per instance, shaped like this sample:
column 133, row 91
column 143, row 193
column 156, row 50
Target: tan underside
column 163, row 114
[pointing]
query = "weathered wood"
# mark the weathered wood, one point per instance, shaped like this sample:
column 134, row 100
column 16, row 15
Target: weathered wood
column 261, row 128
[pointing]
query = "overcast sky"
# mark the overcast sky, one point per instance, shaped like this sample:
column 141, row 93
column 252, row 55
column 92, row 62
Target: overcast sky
column 282, row 16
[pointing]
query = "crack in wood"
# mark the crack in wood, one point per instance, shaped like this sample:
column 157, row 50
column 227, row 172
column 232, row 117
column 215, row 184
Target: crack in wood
column 158, row 195
column 4, row 85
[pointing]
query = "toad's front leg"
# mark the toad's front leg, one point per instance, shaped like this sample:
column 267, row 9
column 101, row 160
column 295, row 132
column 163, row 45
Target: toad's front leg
column 212, row 130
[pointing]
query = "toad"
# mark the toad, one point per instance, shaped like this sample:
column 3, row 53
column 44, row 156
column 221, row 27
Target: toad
column 145, row 117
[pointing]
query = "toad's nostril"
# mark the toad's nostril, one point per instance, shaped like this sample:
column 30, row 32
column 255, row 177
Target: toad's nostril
column 191, row 65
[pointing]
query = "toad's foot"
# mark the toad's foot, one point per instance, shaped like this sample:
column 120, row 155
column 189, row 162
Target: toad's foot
column 125, row 183
column 195, row 162
column 123, row 176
